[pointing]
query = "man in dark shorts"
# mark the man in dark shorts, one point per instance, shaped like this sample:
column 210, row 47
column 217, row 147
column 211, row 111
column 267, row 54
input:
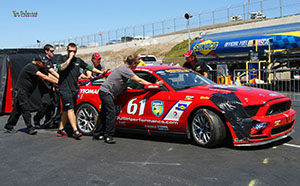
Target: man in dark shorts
column 47, row 90
column 114, row 85
column 69, row 71
column 195, row 64
column 26, row 83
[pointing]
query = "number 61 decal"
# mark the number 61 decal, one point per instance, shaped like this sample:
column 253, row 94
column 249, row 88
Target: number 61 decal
column 132, row 107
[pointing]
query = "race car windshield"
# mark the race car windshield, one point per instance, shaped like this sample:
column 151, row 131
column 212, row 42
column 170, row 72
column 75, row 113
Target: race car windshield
column 180, row 79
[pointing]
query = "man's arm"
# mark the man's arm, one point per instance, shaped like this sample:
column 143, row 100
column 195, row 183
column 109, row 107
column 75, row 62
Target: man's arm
column 144, row 82
column 65, row 64
column 97, row 71
column 54, row 73
column 49, row 78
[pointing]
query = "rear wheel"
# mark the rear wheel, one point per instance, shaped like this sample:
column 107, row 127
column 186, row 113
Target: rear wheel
column 86, row 117
column 207, row 128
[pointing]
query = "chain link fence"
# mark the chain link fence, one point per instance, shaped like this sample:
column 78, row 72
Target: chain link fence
column 251, row 9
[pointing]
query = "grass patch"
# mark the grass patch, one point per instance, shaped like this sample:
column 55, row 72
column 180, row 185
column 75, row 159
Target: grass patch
column 178, row 50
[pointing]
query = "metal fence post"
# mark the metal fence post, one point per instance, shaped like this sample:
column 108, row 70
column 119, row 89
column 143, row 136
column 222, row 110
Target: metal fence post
column 228, row 13
column 174, row 24
column 244, row 10
column 213, row 16
column 152, row 29
column 143, row 31
column 248, row 14
column 199, row 17
column 280, row 8
column 108, row 36
column 134, row 31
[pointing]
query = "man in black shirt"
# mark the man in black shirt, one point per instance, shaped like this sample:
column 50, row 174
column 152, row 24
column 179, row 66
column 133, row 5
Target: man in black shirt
column 195, row 64
column 47, row 90
column 69, row 71
column 26, row 83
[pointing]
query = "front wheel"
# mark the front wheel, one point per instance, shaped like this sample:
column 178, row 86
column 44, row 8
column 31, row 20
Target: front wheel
column 207, row 128
column 86, row 117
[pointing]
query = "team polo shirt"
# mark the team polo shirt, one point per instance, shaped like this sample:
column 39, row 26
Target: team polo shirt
column 68, row 78
column 116, row 82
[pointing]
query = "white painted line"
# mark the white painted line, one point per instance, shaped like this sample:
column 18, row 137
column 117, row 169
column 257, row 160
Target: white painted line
column 291, row 145
column 149, row 163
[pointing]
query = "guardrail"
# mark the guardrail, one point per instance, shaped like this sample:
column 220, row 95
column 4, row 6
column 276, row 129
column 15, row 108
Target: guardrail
column 254, row 9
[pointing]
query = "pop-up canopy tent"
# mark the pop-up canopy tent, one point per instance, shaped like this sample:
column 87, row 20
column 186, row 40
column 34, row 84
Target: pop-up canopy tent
column 11, row 63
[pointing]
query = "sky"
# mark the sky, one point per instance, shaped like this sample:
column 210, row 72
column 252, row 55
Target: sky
column 58, row 19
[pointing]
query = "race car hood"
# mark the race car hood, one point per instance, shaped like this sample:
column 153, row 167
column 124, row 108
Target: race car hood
column 247, row 95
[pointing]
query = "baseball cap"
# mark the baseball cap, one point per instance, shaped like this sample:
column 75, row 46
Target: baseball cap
column 189, row 53
column 39, row 58
column 96, row 55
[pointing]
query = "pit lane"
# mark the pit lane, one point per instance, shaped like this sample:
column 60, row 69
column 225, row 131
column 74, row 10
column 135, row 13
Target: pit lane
column 143, row 160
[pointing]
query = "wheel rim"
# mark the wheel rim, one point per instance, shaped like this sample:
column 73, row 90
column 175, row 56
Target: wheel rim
column 201, row 126
column 86, row 120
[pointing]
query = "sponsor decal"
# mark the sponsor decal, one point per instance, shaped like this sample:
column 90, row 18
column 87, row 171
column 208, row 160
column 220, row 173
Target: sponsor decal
column 273, row 94
column 177, row 108
column 276, row 123
column 176, row 70
column 150, row 126
column 162, row 127
column 204, row 97
column 157, row 107
column 205, row 47
column 189, row 98
column 122, row 123
column 89, row 91
column 140, row 120
column 181, row 107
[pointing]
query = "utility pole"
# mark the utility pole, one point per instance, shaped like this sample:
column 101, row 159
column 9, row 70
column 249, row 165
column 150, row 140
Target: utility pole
column 187, row 16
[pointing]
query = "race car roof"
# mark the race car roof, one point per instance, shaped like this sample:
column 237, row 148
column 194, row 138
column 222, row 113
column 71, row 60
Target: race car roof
column 156, row 67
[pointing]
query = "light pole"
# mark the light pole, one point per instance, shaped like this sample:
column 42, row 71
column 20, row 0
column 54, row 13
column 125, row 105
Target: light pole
column 187, row 16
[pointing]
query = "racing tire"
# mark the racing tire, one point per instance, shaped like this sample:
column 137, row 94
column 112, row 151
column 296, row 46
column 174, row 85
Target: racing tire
column 207, row 128
column 86, row 118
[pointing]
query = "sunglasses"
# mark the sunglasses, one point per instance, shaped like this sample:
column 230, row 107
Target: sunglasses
column 51, row 51
column 72, row 51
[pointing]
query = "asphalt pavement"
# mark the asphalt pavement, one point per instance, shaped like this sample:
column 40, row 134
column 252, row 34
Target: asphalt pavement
column 136, row 160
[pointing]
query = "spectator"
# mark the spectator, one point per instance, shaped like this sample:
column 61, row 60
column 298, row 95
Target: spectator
column 112, row 87
column 47, row 90
column 195, row 64
column 69, row 71
column 26, row 83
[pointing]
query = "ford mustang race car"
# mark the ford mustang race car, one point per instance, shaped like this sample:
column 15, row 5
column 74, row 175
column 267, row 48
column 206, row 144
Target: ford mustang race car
column 191, row 105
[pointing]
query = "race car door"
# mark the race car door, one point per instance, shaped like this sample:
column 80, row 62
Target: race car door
column 143, row 108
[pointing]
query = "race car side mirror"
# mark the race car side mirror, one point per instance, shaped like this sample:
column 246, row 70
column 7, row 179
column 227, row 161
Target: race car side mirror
column 152, row 87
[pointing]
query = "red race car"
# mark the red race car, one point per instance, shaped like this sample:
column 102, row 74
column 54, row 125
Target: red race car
column 191, row 105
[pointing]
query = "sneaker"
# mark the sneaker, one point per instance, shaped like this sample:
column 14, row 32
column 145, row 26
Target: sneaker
column 32, row 131
column 77, row 134
column 61, row 133
column 110, row 140
column 37, row 126
column 10, row 131
column 98, row 137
